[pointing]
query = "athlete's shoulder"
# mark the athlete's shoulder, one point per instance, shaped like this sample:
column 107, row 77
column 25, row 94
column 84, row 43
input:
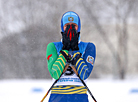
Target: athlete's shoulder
column 91, row 46
column 50, row 44
column 56, row 45
column 87, row 45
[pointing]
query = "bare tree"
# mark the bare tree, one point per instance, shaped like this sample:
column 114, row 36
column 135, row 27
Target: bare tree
column 32, row 24
column 123, row 10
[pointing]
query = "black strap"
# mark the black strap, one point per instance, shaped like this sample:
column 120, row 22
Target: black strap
column 64, row 54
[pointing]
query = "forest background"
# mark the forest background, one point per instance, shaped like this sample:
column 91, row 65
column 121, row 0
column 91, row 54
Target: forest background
column 27, row 26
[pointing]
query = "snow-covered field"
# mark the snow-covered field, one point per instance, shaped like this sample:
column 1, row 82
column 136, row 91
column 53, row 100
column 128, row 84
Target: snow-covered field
column 103, row 90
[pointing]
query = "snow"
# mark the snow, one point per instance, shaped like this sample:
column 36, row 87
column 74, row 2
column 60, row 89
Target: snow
column 104, row 90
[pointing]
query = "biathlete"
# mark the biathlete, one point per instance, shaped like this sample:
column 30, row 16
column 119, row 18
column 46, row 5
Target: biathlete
column 70, row 49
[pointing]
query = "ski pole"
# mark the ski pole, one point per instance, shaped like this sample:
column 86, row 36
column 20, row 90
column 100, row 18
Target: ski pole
column 74, row 69
column 55, row 82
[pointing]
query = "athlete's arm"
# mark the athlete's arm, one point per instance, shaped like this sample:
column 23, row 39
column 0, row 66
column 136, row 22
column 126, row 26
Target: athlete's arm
column 85, row 63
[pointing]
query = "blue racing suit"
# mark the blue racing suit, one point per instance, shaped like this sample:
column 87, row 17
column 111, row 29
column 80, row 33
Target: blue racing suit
column 69, row 87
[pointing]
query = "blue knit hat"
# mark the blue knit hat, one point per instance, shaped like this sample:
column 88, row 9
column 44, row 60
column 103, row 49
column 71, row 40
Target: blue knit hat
column 68, row 17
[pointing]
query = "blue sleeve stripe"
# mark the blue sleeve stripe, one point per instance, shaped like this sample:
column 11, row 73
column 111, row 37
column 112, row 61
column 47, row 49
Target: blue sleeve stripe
column 80, row 68
column 84, row 76
column 84, row 67
column 81, row 62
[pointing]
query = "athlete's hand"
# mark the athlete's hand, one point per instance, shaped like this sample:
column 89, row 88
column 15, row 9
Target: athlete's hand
column 76, row 56
column 74, row 40
column 66, row 39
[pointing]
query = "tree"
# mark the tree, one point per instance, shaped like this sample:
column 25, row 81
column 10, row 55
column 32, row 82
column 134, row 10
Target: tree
column 123, row 9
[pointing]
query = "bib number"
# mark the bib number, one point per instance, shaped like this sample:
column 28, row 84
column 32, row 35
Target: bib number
column 69, row 71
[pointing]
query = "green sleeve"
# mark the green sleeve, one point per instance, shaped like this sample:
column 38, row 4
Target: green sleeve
column 56, row 63
column 51, row 55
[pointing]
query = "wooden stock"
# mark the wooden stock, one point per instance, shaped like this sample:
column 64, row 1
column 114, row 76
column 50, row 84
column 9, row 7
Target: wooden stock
column 74, row 69
column 66, row 67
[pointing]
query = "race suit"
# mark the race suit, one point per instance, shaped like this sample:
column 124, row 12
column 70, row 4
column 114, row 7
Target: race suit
column 69, row 88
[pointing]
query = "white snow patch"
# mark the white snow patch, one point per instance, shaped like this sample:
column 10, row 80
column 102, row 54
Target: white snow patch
column 33, row 90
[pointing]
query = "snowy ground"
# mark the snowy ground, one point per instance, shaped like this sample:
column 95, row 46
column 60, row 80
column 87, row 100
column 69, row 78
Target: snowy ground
column 34, row 90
